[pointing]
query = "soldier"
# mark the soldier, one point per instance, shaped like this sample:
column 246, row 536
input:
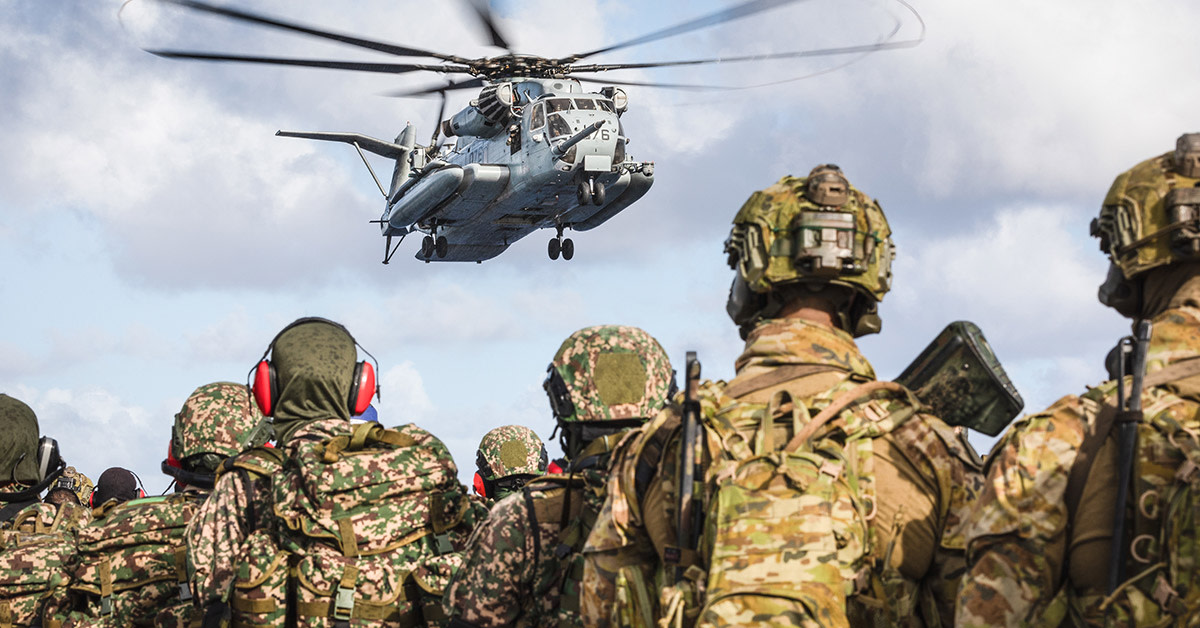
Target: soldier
column 855, row 519
column 523, row 565
column 27, row 466
column 216, row 421
column 116, row 484
column 71, row 487
column 1042, row 535
column 328, row 526
column 507, row 458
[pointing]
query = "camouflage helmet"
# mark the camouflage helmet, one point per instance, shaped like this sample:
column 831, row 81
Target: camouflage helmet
column 609, row 373
column 18, row 442
column 1150, row 218
column 217, row 421
column 76, row 482
column 817, row 230
column 511, row 450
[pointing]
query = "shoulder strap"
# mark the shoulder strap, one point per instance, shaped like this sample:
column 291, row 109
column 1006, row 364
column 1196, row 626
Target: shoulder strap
column 1083, row 461
column 777, row 375
column 1173, row 372
column 10, row 510
column 840, row 403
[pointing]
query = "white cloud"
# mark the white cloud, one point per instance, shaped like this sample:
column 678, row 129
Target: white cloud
column 403, row 398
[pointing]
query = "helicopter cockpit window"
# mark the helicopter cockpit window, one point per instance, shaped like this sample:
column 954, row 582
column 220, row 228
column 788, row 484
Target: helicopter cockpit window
column 538, row 118
column 585, row 103
column 607, row 105
column 558, row 104
column 558, row 126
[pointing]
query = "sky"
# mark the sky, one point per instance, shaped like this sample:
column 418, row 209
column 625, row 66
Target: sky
column 155, row 234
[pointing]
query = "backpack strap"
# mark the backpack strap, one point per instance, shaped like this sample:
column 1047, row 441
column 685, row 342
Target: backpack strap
column 840, row 403
column 776, row 376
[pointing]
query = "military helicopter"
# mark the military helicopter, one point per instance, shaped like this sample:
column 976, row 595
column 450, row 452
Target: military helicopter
column 535, row 149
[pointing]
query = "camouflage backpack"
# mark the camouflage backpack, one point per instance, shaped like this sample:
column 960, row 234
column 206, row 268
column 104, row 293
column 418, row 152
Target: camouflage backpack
column 34, row 572
column 785, row 529
column 132, row 563
column 353, row 517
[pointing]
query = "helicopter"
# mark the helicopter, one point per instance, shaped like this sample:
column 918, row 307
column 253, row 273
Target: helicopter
column 535, row 150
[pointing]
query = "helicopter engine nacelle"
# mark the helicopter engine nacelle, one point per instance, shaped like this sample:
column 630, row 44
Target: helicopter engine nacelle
column 487, row 114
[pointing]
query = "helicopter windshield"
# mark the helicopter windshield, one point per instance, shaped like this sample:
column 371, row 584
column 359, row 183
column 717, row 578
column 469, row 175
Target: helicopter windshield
column 585, row 103
column 558, row 104
column 539, row 117
column 558, row 126
column 607, row 105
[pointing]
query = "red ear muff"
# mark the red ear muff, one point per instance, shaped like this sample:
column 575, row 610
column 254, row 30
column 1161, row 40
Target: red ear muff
column 265, row 392
column 171, row 459
column 480, row 487
column 362, row 388
column 92, row 498
column 141, row 493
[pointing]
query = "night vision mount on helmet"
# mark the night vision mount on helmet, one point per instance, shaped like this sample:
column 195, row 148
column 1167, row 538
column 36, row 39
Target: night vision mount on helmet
column 816, row 231
column 536, row 150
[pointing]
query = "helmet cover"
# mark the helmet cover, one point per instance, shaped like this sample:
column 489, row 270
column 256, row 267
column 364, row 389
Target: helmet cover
column 18, row 441
column 217, row 421
column 75, row 482
column 609, row 373
column 513, row 450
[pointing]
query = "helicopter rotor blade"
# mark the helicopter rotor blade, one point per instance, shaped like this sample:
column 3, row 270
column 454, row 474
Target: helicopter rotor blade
column 489, row 23
column 437, row 124
column 362, row 66
column 252, row 18
column 687, row 86
column 736, row 12
column 438, row 89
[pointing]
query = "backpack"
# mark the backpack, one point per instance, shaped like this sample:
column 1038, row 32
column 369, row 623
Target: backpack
column 132, row 563
column 353, row 517
column 35, row 570
column 786, row 524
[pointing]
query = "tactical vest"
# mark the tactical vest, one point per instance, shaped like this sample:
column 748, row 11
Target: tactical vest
column 786, row 530
column 1161, row 553
column 352, row 518
column 35, row 570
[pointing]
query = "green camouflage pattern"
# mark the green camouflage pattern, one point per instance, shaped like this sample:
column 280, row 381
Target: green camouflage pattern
column 18, row 442
column 522, row 565
column 35, row 570
column 513, row 450
column 43, row 518
column 962, row 381
column 220, row 419
column 863, row 578
column 132, row 564
column 613, row 372
column 849, row 244
column 351, row 511
column 1135, row 225
column 1019, row 570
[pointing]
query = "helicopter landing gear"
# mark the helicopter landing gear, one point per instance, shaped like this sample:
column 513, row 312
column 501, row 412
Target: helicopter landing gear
column 559, row 245
column 441, row 246
column 590, row 192
column 427, row 247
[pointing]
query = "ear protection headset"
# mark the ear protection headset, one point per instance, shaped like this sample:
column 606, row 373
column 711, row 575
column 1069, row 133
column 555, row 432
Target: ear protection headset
column 50, row 465
column 363, row 385
column 140, row 493
column 487, row 487
column 560, row 398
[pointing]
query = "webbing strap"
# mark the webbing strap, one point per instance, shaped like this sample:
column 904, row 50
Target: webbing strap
column 777, row 375
column 1182, row 369
column 343, row 602
column 106, row 589
column 247, row 605
column 5, row 614
column 348, row 541
column 181, row 576
column 1083, row 462
column 841, row 402
column 58, row 517
column 363, row 434
column 362, row 610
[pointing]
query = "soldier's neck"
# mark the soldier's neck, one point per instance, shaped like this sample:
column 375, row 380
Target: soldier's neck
column 812, row 309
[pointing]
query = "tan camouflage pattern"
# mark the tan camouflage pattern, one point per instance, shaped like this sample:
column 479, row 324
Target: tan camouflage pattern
column 514, row 572
column 218, row 418
column 600, row 366
column 913, row 557
column 79, row 483
column 135, row 553
column 1019, row 571
column 513, row 450
column 34, row 572
column 767, row 235
column 1134, row 226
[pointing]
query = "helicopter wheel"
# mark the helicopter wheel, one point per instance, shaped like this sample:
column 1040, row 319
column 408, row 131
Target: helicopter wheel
column 597, row 192
column 584, row 193
column 441, row 246
column 426, row 247
column 568, row 249
column 554, row 248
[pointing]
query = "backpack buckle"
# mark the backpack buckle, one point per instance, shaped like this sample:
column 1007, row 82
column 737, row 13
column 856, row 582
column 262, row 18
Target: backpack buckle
column 185, row 593
column 106, row 605
column 343, row 604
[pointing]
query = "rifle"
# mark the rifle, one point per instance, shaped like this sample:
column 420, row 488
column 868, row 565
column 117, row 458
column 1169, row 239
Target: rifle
column 685, row 526
column 960, row 378
column 1129, row 414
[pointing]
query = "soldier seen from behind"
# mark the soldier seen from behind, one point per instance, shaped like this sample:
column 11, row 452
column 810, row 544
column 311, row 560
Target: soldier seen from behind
column 28, row 466
column 329, row 527
column 806, row 490
column 524, row 563
column 1089, row 512
column 507, row 458
column 132, row 557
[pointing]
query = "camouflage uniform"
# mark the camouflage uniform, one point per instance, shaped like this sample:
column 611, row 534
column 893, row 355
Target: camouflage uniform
column 899, row 550
column 507, row 458
column 18, row 458
column 1041, row 533
column 132, row 569
column 523, row 564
